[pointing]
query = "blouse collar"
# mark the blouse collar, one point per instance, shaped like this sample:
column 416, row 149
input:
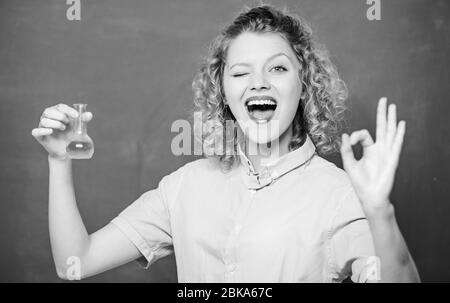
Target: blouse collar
column 276, row 169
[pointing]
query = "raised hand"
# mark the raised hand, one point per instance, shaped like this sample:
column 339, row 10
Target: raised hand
column 53, row 131
column 373, row 175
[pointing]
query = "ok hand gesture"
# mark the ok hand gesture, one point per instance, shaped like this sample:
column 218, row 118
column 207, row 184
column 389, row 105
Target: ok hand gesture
column 373, row 175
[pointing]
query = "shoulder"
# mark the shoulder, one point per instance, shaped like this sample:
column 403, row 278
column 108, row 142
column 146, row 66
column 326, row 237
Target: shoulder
column 328, row 173
column 344, row 199
column 190, row 176
column 200, row 166
column 332, row 187
column 194, row 170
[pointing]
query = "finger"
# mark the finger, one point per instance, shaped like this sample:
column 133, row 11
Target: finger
column 54, row 114
column 381, row 119
column 49, row 123
column 362, row 136
column 67, row 110
column 348, row 159
column 391, row 124
column 398, row 141
column 40, row 132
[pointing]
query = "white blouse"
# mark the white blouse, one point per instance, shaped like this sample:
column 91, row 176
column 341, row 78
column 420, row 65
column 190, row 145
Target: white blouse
column 298, row 221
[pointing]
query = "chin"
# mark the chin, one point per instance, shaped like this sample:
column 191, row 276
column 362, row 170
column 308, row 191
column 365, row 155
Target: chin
column 261, row 133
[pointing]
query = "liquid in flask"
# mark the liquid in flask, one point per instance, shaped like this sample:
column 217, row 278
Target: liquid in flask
column 81, row 145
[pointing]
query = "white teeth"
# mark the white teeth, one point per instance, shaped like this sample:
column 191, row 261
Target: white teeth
column 261, row 102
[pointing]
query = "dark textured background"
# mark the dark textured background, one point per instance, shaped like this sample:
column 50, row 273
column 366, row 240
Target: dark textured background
column 133, row 63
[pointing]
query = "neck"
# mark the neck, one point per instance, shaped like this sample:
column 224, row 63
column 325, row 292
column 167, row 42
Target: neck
column 268, row 152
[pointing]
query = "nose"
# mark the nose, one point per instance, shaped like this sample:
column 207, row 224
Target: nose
column 258, row 82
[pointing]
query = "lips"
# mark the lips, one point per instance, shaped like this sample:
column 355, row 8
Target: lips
column 261, row 108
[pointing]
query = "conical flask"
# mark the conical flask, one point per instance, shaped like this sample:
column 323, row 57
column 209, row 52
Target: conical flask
column 81, row 145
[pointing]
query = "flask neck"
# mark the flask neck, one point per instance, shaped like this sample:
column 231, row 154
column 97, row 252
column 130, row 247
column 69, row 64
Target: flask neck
column 79, row 125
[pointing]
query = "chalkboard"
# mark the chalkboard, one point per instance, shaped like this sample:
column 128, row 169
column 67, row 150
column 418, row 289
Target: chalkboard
column 133, row 62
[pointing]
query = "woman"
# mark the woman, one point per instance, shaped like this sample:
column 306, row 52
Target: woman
column 266, row 207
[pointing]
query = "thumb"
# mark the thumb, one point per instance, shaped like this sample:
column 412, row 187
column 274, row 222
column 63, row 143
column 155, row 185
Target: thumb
column 87, row 116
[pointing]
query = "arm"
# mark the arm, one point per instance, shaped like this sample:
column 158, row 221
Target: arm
column 98, row 252
column 373, row 178
column 105, row 249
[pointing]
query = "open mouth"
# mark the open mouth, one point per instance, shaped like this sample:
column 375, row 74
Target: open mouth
column 261, row 110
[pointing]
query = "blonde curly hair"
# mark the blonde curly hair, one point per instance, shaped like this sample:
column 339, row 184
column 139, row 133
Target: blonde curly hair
column 321, row 106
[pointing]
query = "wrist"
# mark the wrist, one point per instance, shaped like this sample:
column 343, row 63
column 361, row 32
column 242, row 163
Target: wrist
column 384, row 212
column 59, row 159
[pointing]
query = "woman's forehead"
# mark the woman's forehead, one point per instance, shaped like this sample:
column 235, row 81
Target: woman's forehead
column 253, row 47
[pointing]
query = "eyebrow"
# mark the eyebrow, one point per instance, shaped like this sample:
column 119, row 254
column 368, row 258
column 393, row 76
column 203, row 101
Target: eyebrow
column 268, row 59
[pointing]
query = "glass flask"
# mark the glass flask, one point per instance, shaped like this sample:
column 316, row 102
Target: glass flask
column 81, row 145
